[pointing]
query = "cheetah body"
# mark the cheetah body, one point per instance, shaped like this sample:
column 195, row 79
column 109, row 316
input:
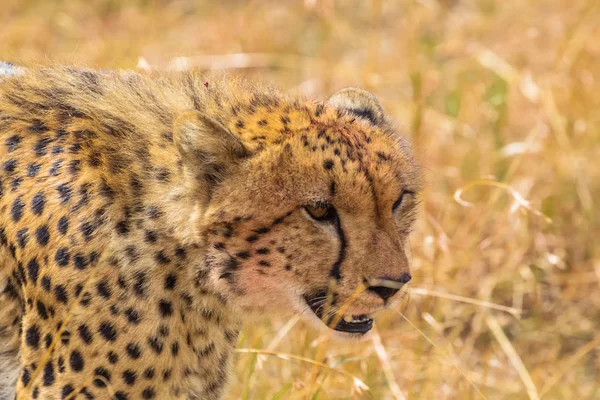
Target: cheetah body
column 142, row 216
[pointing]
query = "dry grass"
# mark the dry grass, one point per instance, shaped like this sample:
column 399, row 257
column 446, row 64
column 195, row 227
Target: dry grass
column 501, row 99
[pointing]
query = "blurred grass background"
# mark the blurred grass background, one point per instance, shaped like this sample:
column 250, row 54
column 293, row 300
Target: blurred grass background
column 502, row 102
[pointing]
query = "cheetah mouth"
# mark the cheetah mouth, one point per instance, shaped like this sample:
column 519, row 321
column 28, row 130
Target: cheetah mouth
column 356, row 324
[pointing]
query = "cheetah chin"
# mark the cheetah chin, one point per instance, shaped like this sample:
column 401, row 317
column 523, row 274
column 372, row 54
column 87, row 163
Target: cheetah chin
column 356, row 325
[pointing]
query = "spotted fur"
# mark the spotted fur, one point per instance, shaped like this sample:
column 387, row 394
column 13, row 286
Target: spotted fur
column 143, row 215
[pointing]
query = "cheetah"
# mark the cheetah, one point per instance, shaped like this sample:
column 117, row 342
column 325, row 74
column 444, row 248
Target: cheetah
column 144, row 215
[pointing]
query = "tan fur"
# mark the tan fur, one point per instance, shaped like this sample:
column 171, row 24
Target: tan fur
column 184, row 197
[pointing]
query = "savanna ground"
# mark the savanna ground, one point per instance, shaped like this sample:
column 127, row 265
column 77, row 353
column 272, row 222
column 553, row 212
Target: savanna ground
column 501, row 99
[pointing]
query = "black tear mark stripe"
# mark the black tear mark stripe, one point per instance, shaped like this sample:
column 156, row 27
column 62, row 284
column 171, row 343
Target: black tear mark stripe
column 373, row 190
column 336, row 272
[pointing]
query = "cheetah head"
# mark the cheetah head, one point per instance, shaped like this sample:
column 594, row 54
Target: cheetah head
column 305, row 207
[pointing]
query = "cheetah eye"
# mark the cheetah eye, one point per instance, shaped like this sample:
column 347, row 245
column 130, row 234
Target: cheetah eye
column 399, row 201
column 322, row 212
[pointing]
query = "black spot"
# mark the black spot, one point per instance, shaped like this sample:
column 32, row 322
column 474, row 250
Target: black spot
column 93, row 257
column 139, row 286
column 129, row 377
column 149, row 373
column 74, row 167
column 88, row 396
column 13, row 143
column 37, row 126
column 206, row 351
column 85, row 299
column 63, row 225
column 132, row 253
column 264, row 263
column 288, row 267
column 57, row 150
column 48, row 378
column 161, row 258
column 263, row 250
column 113, row 357
column 122, row 228
column 62, row 257
column 25, row 377
column 106, row 191
column 151, row 237
column 101, row 373
column 64, row 192
column 61, row 294
column 175, row 348
column 33, row 169
column 328, row 164
column 252, row 238
column 262, row 230
column 74, row 148
column 94, row 160
column 162, row 174
column 42, row 235
column 167, row 375
column 37, row 203
column 170, row 281
column 154, row 212
column 41, row 309
column 33, row 269
column 10, row 166
column 180, row 253
column 17, row 209
column 122, row 282
column 103, row 289
column 41, row 147
column 244, row 255
column 155, row 344
column 121, row 396
column 66, row 391
column 163, row 331
column 85, row 334
column 80, row 261
column 136, row 186
column 16, row 182
column 132, row 316
column 48, row 340
column 148, row 393
column 108, row 331
column 165, row 308
column 12, row 249
column 87, row 228
column 32, row 337
column 134, row 351
column 46, row 283
column 76, row 361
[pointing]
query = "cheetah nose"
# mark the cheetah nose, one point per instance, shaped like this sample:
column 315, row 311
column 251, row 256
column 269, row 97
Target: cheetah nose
column 387, row 291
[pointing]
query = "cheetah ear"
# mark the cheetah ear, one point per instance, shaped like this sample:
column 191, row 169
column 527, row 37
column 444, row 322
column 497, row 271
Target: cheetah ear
column 207, row 148
column 359, row 102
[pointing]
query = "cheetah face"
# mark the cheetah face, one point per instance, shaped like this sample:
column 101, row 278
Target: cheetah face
column 318, row 220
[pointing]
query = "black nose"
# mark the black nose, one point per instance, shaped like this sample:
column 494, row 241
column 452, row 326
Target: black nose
column 386, row 292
